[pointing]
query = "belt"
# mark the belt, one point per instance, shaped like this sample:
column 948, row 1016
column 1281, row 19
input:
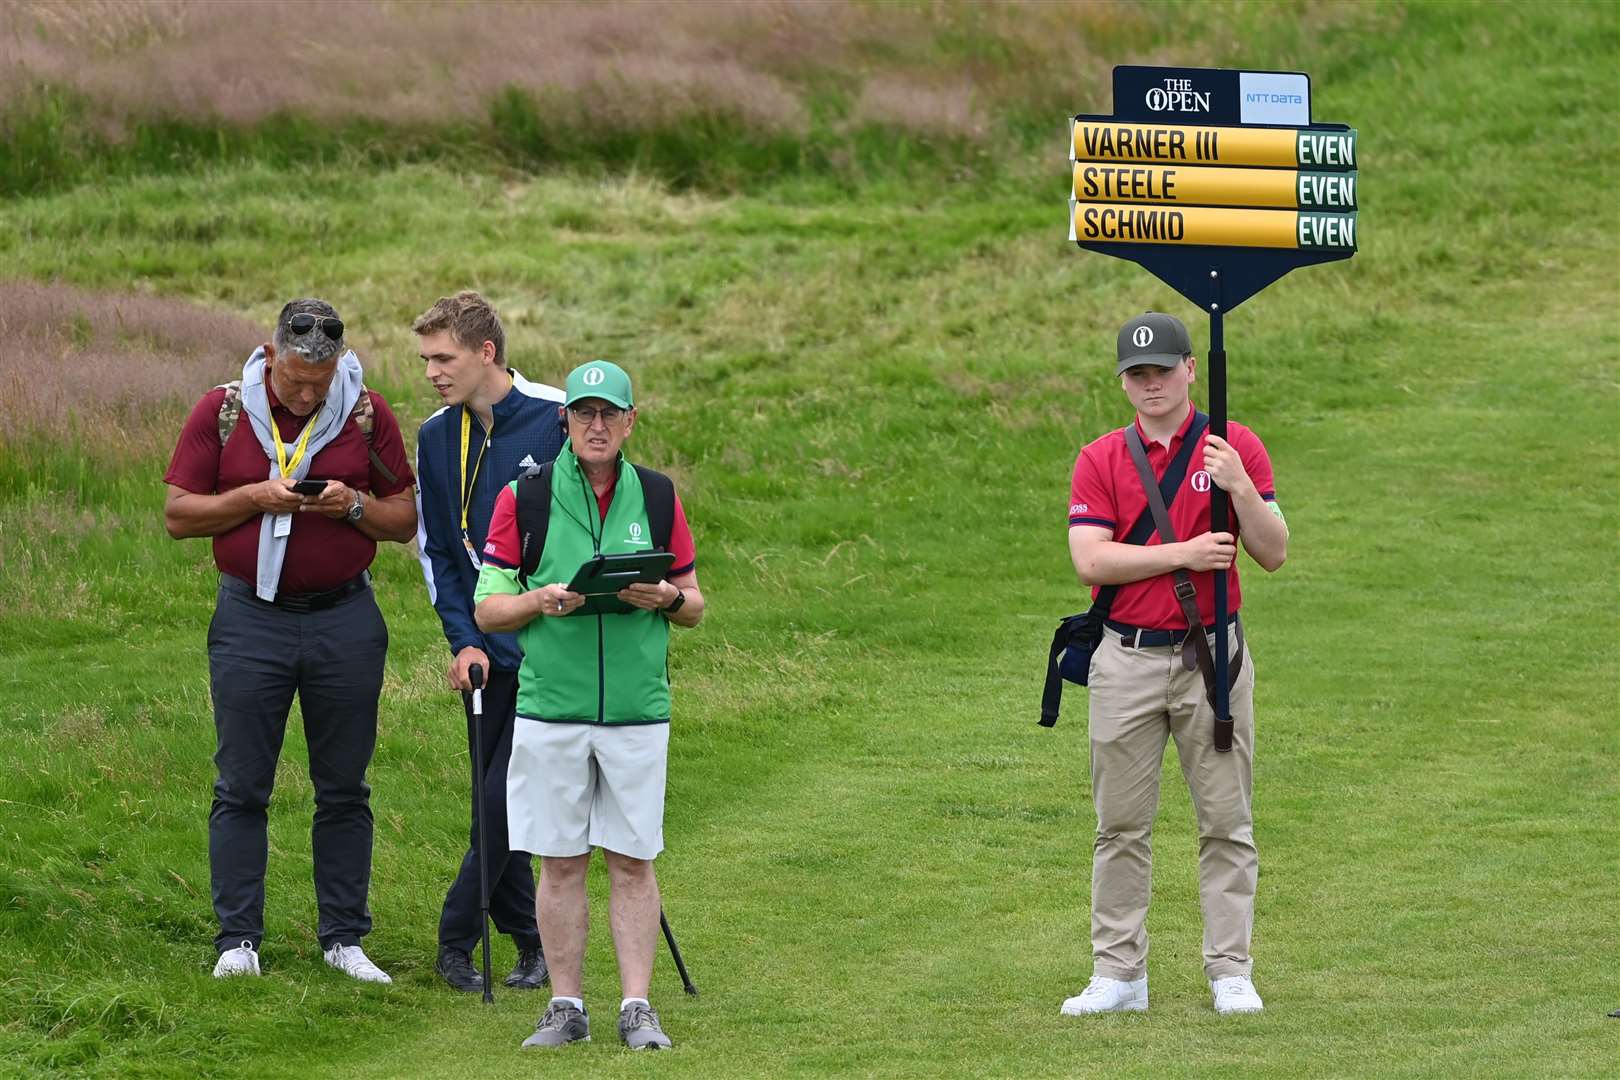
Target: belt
column 1138, row 637
column 302, row 603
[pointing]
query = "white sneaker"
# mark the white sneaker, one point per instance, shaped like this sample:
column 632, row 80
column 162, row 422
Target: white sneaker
column 1103, row 994
column 1236, row 994
column 242, row 960
column 353, row 962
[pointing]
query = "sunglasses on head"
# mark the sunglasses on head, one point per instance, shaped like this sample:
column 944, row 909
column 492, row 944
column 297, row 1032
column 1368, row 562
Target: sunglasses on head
column 330, row 325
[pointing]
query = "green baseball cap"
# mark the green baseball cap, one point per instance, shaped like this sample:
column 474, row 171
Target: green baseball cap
column 600, row 379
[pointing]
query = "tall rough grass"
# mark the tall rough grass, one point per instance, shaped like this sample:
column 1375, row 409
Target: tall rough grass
column 702, row 91
column 111, row 374
column 938, row 64
column 400, row 63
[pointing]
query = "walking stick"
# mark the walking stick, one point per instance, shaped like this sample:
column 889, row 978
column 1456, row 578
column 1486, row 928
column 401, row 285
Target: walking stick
column 675, row 951
column 475, row 675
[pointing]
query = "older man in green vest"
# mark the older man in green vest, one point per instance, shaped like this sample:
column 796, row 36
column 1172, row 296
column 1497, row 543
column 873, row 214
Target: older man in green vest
column 592, row 737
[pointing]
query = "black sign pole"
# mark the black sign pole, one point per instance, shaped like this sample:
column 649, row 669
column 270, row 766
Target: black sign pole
column 1218, row 510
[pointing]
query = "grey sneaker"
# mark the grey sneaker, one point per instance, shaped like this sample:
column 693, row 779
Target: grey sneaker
column 560, row 1025
column 639, row 1028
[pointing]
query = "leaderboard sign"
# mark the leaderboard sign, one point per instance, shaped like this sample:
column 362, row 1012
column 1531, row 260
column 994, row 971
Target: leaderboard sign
column 1199, row 167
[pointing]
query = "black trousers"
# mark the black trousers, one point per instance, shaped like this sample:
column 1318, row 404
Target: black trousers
column 511, row 873
column 258, row 657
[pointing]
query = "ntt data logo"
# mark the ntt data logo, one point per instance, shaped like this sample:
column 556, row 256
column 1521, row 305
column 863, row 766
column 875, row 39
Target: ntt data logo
column 1274, row 97
column 1177, row 95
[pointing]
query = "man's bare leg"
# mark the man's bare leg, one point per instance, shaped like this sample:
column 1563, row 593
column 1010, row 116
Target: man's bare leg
column 561, row 909
column 633, row 912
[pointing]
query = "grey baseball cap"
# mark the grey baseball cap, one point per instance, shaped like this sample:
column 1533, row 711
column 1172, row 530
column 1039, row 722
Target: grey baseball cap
column 1152, row 338
column 317, row 343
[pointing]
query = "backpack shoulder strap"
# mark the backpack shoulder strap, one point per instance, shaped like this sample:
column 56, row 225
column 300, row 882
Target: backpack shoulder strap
column 230, row 410
column 533, row 518
column 364, row 415
column 659, row 492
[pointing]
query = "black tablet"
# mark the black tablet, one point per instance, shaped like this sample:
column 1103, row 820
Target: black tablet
column 600, row 578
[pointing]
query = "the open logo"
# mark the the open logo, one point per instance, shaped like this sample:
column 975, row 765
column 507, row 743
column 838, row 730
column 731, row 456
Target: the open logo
column 1142, row 337
column 594, row 376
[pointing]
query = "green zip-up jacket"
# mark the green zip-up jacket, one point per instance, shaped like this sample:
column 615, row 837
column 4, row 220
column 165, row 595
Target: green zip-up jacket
column 588, row 669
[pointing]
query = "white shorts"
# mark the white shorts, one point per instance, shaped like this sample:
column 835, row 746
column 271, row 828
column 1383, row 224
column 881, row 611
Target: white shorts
column 572, row 787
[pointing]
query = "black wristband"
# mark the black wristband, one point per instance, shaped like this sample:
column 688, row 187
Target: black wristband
column 675, row 604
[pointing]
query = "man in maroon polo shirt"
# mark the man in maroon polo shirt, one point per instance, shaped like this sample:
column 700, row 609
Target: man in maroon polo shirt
column 281, row 472
column 1142, row 690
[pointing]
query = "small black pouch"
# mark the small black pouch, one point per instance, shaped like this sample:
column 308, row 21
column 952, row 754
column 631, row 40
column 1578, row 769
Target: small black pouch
column 1080, row 635
column 1070, row 658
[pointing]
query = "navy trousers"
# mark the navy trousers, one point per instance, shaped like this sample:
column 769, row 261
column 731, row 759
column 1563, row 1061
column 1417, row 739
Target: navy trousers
column 511, row 873
column 259, row 656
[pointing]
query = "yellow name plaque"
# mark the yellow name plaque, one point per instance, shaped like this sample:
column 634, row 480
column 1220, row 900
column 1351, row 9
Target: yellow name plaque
column 1209, row 226
column 1197, row 185
column 1277, row 148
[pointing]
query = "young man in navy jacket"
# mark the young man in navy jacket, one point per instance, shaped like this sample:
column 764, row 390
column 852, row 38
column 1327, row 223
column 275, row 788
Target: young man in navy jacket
column 495, row 425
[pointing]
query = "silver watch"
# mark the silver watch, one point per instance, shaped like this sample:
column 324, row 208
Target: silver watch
column 357, row 508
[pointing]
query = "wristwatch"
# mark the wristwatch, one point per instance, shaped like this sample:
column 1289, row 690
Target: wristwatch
column 675, row 604
column 357, row 508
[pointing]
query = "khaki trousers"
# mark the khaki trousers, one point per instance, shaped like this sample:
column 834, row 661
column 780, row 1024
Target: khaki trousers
column 1139, row 697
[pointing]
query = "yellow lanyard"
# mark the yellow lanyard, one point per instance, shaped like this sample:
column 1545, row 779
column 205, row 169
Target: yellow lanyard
column 466, row 489
column 298, row 451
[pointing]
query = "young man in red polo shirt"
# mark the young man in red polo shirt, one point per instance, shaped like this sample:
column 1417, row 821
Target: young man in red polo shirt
column 294, row 613
column 1142, row 692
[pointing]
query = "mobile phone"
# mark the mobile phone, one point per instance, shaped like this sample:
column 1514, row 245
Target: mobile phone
column 309, row 487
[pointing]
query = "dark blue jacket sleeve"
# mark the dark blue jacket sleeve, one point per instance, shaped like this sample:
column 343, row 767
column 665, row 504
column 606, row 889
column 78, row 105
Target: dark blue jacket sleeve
column 438, row 538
